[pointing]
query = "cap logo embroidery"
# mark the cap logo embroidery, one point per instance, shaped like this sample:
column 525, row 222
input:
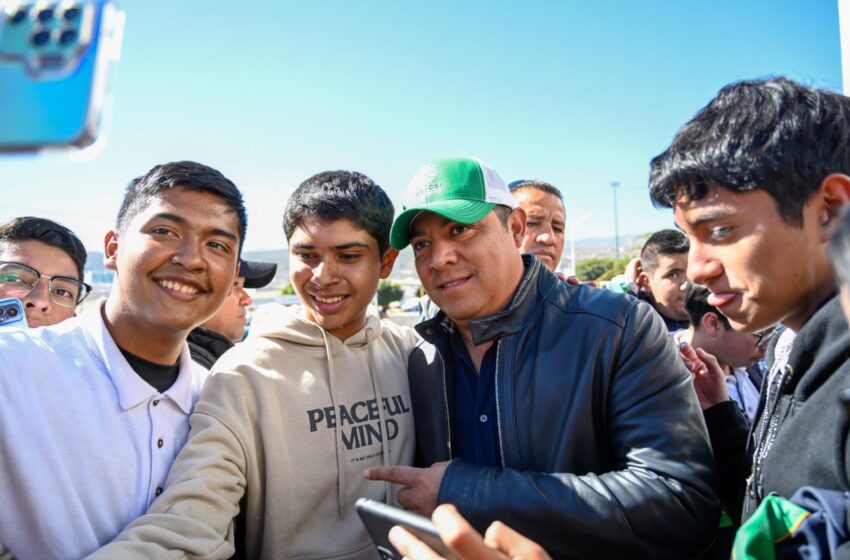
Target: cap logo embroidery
column 427, row 182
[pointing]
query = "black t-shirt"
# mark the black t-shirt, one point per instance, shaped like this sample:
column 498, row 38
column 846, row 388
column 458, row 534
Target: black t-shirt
column 157, row 376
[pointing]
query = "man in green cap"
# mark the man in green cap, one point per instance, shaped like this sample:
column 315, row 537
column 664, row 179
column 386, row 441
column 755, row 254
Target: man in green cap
column 564, row 411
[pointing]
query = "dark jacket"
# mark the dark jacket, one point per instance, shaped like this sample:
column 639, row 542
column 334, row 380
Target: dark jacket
column 602, row 442
column 206, row 346
column 811, row 442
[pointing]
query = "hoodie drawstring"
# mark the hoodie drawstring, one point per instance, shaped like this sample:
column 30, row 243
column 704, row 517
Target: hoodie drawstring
column 376, row 389
column 340, row 454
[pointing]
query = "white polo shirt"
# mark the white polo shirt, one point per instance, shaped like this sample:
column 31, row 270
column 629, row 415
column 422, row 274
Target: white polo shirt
column 85, row 443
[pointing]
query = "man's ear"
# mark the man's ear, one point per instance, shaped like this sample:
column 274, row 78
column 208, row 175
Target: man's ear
column 642, row 281
column 387, row 262
column 834, row 195
column 110, row 250
column 516, row 225
column 710, row 323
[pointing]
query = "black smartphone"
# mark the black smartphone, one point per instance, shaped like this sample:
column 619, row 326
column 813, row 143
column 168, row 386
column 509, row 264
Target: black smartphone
column 379, row 518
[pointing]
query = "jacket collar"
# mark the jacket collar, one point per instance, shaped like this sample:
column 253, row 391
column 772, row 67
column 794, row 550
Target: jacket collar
column 821, row 345
column 536, row 282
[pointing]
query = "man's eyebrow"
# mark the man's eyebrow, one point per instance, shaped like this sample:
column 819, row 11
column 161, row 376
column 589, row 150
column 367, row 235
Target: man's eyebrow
column 307, row 246
column 183, row 221
column 710, row 216
column 352, row 245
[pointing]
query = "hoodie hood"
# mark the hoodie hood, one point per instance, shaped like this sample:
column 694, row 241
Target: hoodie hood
column 277, row 321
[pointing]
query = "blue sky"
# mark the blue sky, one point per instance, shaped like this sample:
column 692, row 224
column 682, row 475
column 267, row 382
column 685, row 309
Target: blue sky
column 576, row 93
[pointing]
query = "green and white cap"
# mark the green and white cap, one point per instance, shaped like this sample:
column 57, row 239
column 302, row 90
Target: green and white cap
column 463, row 190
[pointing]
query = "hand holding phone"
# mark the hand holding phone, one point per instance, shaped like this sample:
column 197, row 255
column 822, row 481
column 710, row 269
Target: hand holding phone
column 379, row 518
column 12, row 314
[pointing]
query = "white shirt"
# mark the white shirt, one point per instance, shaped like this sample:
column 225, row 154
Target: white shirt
column 743, row 391
column 85, row 441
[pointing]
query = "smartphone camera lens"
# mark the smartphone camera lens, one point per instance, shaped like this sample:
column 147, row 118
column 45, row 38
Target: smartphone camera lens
column 67, row 37
column 44, row 15
column 40, row 37
column 17, row 16
column 13, row 312
column 2, row 311
column 71, row 14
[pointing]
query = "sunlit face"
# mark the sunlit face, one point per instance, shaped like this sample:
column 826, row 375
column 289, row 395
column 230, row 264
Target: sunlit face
column 231, row 317
column 335, row 268
column 760, row 270
column 544, row 229
column 667, row 283
column 471, row 270
column 50, row 261
column 176, row 261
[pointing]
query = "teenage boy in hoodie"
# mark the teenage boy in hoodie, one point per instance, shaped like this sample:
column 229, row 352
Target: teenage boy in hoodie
column 290, row 418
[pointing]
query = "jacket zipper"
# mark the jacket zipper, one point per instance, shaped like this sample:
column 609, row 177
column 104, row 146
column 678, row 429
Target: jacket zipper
column 446, row 402
column 498, row 409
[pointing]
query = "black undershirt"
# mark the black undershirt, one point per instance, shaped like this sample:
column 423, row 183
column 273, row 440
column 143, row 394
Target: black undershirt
column 157, row 376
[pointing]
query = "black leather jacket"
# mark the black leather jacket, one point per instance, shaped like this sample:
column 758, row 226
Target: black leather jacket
column 603, row 446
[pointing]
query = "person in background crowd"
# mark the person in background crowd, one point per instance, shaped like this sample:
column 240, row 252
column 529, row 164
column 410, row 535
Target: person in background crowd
column 757, row 181
column 544, row 229
column 564, row 411
column 291, row 416
column 218, row 333
column 94, row 410
column 41, row 263
column 661, row 279
column 737, row 353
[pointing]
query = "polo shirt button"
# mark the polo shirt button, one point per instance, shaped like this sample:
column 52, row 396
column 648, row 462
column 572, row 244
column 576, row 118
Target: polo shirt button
column 156, row 402
column 159, row 442
column 158, row 491
column 483, row 418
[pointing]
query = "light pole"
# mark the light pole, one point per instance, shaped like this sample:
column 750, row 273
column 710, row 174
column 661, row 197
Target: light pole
column 614, row 186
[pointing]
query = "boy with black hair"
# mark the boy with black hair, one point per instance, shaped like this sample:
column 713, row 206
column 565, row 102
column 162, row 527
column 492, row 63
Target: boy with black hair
column 94, row 410
column 661, row 279
column 32, row 249
column 757, row 180
column 737, row 353
column 291, row 416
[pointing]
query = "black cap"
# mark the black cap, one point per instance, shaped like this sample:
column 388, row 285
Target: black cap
column 256, row 274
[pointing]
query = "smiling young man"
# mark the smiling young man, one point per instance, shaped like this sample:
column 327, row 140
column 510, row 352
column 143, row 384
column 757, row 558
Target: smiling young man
column 544, row 227
column 94, row 410
column 291, row 416
column 756, row 181
column 41, row 263
column 562, row 410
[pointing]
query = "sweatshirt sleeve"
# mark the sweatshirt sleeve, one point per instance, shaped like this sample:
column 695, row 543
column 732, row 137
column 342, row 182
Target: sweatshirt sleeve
column 657, row 500
column 194, row 515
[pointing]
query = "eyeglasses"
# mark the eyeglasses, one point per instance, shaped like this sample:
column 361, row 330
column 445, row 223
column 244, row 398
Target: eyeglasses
column 763, row 337
column 18, row 280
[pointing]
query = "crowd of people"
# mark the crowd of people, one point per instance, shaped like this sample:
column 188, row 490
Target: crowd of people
column 528, row 414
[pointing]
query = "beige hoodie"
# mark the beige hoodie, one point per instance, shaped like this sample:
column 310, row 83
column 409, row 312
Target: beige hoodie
column 289, row 419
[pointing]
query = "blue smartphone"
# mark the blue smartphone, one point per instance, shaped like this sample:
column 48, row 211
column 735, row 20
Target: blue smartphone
column 12, row 314
column 55, row 57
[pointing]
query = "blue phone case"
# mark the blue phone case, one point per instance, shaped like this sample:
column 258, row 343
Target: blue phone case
column 12, row 313
column 54, row 61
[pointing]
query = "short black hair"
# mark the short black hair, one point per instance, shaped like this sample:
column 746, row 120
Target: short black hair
column 663, row 242
column 839, row 249
column 773, row 134
column 29, row 228
column 549, row 188
column 334, row 195
column 696, row 306
column 189, row 175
